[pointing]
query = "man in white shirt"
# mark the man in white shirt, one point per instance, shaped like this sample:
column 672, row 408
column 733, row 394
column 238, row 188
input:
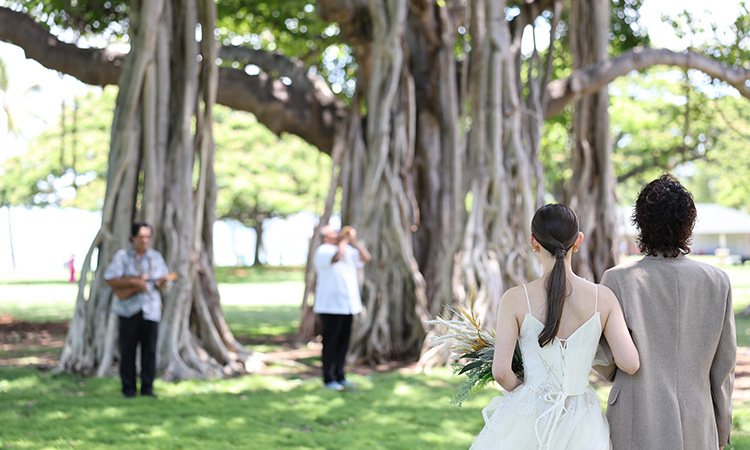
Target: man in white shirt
column 337, row 261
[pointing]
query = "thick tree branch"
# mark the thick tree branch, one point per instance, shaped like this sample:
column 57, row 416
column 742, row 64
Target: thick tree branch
column 593, row 78
column 292, row 68
column 306, row 107
column 282, row 108
column 92, row 66
column 656, row 162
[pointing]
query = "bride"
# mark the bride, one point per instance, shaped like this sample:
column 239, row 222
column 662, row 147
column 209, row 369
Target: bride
column 558, row 320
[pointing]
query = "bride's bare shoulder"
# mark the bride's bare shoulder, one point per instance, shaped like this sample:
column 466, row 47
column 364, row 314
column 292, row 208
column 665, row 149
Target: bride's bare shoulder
column 514, row 297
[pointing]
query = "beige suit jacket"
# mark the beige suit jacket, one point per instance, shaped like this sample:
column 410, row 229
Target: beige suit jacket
column 680, row 315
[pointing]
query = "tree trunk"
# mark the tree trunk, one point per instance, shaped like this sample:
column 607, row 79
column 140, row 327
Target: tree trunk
column 490, row 255
column 403, row 174
column 592, row 187
column 10, row 238
column 163, row 95
column 379, row 192
column 258, row 227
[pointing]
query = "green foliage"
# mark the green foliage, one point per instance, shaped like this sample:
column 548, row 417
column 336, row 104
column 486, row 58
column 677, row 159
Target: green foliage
column 625, row 32
column 725, row 44
column 724, row 175
column 292, row 28
column 665, row 120
column 657, row 123
column 3, row 76
column 11, row 109
column 66, row 165
column 289, row 27
column 261, row 175
column 105, row 18
column 554, row 153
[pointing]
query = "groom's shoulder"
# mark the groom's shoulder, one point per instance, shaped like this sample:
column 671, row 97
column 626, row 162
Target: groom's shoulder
column 625, row 267
column 706, row 269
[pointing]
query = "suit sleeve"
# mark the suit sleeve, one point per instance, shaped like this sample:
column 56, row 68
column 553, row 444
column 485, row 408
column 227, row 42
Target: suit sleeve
column 722, row 373
column 604, row 363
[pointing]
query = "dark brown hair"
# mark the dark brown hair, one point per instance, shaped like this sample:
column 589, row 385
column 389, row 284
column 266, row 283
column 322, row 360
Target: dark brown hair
column 136, row 227
column 555, row 227
column 665, row 216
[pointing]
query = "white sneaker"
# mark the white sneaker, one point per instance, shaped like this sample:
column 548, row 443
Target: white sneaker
column 347, row 384
column 334, row 386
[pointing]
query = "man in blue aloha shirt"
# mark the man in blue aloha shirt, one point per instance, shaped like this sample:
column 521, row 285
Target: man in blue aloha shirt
column 137, row 275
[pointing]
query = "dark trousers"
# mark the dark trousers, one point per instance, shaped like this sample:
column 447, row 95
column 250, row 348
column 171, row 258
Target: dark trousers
column 135, row 330
column 337, row 329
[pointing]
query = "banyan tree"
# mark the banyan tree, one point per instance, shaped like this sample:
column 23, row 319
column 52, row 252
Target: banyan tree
column 436, row 154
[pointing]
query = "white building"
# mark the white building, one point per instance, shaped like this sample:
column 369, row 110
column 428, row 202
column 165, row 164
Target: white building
column 716, row 227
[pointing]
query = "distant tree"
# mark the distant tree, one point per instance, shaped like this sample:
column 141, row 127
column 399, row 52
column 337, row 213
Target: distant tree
column 723, row 174
column 13, row 130
column 261, row 175
column 66, row 165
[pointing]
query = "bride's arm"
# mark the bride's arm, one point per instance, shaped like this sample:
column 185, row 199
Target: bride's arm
column 506, row 336
column 617, row 334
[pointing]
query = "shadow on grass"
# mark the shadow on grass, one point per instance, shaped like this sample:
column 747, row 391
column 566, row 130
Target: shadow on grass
column 389, row 411
column 255, row 320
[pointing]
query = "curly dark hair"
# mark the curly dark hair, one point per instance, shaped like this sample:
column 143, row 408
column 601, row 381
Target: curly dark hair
column 665, row 216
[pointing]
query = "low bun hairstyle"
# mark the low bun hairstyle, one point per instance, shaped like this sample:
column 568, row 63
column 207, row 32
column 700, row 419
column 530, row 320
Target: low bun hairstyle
column 555, row 228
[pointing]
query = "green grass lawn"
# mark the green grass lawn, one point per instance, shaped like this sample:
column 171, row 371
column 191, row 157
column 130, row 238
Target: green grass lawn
column 390, row 411
column 39, row 410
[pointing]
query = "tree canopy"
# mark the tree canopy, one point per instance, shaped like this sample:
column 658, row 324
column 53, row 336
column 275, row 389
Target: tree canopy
column 259, row 175
column 420, row 105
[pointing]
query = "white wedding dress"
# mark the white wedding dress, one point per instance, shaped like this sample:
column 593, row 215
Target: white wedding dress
column 554, row 408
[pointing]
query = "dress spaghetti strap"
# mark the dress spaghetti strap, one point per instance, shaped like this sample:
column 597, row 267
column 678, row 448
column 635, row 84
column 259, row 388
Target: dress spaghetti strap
column 596, row 305
column 528, row 303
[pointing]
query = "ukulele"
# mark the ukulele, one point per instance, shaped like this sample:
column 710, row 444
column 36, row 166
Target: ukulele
column 126, row 292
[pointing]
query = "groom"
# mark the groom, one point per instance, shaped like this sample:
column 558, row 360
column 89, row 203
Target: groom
column 680, row 315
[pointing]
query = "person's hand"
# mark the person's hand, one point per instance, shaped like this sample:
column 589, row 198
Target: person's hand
column 139, row 284
column 349, row 233
column 161, row 282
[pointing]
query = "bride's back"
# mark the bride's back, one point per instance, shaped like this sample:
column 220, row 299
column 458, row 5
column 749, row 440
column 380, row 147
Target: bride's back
column 579, row 305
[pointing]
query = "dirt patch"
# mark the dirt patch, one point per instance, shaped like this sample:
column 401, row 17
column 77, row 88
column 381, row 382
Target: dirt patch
column 40, row 344
column 31, row 343
column 302, row 359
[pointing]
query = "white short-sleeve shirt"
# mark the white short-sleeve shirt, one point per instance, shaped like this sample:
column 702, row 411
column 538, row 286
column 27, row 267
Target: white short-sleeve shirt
column 337, row 288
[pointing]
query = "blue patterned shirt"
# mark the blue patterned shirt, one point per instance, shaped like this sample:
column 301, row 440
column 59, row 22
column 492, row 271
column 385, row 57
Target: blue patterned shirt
column 127, row 263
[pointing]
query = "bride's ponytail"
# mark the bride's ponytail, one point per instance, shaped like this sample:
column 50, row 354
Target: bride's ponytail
column 555, row 228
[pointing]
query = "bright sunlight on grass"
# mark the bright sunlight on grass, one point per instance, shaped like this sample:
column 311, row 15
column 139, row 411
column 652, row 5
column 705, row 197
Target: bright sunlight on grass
column 394, row 410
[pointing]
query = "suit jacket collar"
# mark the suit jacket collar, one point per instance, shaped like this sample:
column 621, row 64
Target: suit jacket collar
column 660, row 256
